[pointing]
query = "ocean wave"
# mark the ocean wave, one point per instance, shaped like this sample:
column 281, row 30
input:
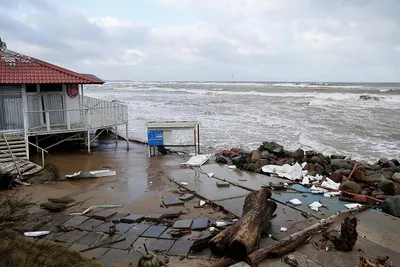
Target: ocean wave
column 317, row 85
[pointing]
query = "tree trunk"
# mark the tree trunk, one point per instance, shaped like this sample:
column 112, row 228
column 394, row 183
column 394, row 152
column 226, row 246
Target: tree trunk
column 348, row 235
column 240, row 239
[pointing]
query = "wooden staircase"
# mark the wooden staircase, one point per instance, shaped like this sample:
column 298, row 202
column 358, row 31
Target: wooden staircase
column 13, row 147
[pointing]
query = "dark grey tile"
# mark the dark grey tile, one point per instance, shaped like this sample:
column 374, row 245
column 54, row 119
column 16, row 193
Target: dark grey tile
column 161, row 246
column 90, row 238
column 104, row 215
column 104, row 227
column 183, row 224
column 200, row 224
column 173, row 202
column 154, row 231
column 138, row 245
column 122, row 228
column 167, row 235
column 117, row 217
column 90, row 224
column 133, row 218
column 127, row 243
column 71, row 237
column 180, row 248
column 106, row 239
column 74, row 221
column 153, row 217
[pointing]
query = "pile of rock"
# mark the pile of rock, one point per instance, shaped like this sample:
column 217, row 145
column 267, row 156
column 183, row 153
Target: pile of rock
column 380, row 180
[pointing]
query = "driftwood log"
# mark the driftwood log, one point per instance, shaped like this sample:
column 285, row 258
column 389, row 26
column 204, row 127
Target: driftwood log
column 289, row 243
column 240, row 239
column 348, row 235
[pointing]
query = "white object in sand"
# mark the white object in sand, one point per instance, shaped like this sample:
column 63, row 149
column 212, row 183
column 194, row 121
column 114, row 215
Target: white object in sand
column 91, row 174
column 202, row 203
column 184, row 183
column 330, row 184
column 290, row 172
column 211, row 174
column 197, row 161
column 283, row 229
column 212, row 229
column 36, row 233
column 315, row 205
column 232, row 167
column 352, row 205
column 221, row 224
column 295, row 202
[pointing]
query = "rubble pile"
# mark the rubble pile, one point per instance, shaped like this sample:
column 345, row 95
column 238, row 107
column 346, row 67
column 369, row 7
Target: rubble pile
column 358, row 181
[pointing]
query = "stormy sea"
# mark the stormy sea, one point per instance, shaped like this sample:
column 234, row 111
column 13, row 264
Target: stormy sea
column 357, row 120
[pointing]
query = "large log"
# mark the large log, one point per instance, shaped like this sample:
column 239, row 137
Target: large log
column 240, row 239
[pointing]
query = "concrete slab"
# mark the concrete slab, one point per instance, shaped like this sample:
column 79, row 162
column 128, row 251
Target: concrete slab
column 115, row 257
column 122, row 228
column 205, row 186
column 204, row 254
column 55, row 223
column 74, row 221
column 33, row 225
column 161, row 246
column 127, row 243
column 153, row 217
column 104, row 215
column 90, row 238
column 173, row 202
column 89, row 225
column 53, row 206
column 71, row 237
column 186, row 197
column 138, row 245
column 154, row 231
column 133, row 218
column 234, row 205
column 117, row 217
column 183, row 224
column 180, row 248
column 138, row 229
column 200, row 223
column 104, row 227
column 107, row 239
column 166, row 235
column 78, row 247
column 95, row 253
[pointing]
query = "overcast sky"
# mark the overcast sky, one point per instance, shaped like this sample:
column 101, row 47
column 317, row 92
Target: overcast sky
column 264, row 40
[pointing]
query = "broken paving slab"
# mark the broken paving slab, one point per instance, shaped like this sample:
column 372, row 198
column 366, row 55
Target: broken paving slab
column 180, row 248
column 205, row 186
column 200, row 224
column 172, row 202
column 106, row 239
column 186, row 197
column 90, row 224
column 65, row 200
column 223, row 184
column 161, row 246
column 183, row 224
column 233, row 205
column 127, row 243
column 104, row 215
column 117, row 217
column 133, row 218
column 71, row 237
column 138, row 245
column 167, row 235
column 53, row 206
column 122, row 228
column 154, row 231
column 153, row 217
column 90, row 238
column 104, row 227
column 138, row 229
column 74, row 221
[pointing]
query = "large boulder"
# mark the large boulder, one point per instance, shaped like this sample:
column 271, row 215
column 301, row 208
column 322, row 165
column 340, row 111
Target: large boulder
column 337, row 157
column 345, row 172
column 395, row 162
column 268, row 155
column 239, row 161
column 396, row 177
column 255, row 156
column 263, row 162
column 392, row 206
column 374, row 178
column 290, row 161
column 272, row 147
column 298, row 154
column 223, row 160
column 340, row 164
column 388, row 174
column 317, row 160
column 387, row 187
column 350, row 186
column 336, row 176
column 360, row 174
column 375, row 167
column 385, row 163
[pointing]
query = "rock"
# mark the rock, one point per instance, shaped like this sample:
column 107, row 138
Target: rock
column 237, row 150
column 309, row 167
column 382, row 197
column 312, row 173
column 336, row 176
column 271, row 146
column 298, row 154
column 272, row 162
column 268, row 155
column 374, row 178
column 388, row 174
column 251, row 167
column 239, row 161
column 387, row 187
column 364, row 192
column 327, row 160
column 340, row 164
column 316, row 159
column 337, row 157
column 350, row 186
column 359, row 174
column 255, row 156
column 345, row 172
column 392, row 206
column 328, row 169
column 222, row 159
column 396, row 177
column 395, row 162
column 310, row 153
column 362, row 199
column 280, row 162
column 263, row 162
column 385, row 163
column 375, row 167
column 377, row 193
column 290, row 161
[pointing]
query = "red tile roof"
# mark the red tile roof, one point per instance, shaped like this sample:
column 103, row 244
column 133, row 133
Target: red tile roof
column 16, row 68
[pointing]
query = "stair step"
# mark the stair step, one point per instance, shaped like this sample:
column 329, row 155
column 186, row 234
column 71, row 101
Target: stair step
column 5, row 147
column 33, row 171
column 19, row 155
column 9, row 159
column 10, row 166
column 12, row 142
column 13, row 150
column 25, row 168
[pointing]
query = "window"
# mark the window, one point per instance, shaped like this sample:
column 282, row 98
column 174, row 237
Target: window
column 31, row 88
column 48, row 87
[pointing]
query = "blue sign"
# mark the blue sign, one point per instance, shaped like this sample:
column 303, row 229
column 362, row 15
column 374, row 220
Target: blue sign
column 155, row 138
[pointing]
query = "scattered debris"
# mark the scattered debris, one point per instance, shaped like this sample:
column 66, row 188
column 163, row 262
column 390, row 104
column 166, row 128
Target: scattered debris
column 283, row 229
column 295, row 202
column 315, row 206
column 223, row 184
column 287, row 171
column 53, row 206
column 91, row 174
column 65, row 200
column 186, row 197
column 184, row 183
column 352, row 205
column 291, row 260
column 197, row 161
column 211, row 174
column 330, row 184
column 348, row 235
column 36, row 233
column 232, row 167
column 172, row 202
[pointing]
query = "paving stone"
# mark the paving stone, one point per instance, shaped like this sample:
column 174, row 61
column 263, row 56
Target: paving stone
column 78, row 247
column 117, row 217
column 203, row 254
column 172, row 214
column 153, row 217
column 49, row 237
column 90, row 238
column 138, row 229
column 133, row 218
column 154, row 231
column 167, row 235
column 106, row 239
column 173, row 202
column 55, row 223
column 200, row 224
column 127, row 243
column 186, row 197
column 183, row 224
column 161, row 246
column 104, row 227
column 193, row 236
column 223, row 184
column 122, row 228
column 95, row 253
column 115, row 257
column 138, row 245
column 33, row 225
column 74, row 221
column 71, row 237
column 180, row 248
column 104, row 215
column 53, row 206
column 90, row 224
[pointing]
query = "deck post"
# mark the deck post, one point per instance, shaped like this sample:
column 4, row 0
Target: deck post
column 37, row 144
column 88, row 141
column 116, row 135
column 127, row 138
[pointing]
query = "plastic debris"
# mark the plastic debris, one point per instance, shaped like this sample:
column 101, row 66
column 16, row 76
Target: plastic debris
column 211, row 174
column 295, row 202
column 285, row 184
column 91, row 174
column 202, row 203
column 232, row 167
column 303, row 164
column 306, row 180
column 287, row 171
column 315, row 206
column 36, row 233
column 283, row 229
column 330, row 184
column 331, row 194
column 317, row 190
column 95, row 207
column 184, row 183
column 221, row 224
column 197, row 161
column 352, row 205
column 212, row 229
